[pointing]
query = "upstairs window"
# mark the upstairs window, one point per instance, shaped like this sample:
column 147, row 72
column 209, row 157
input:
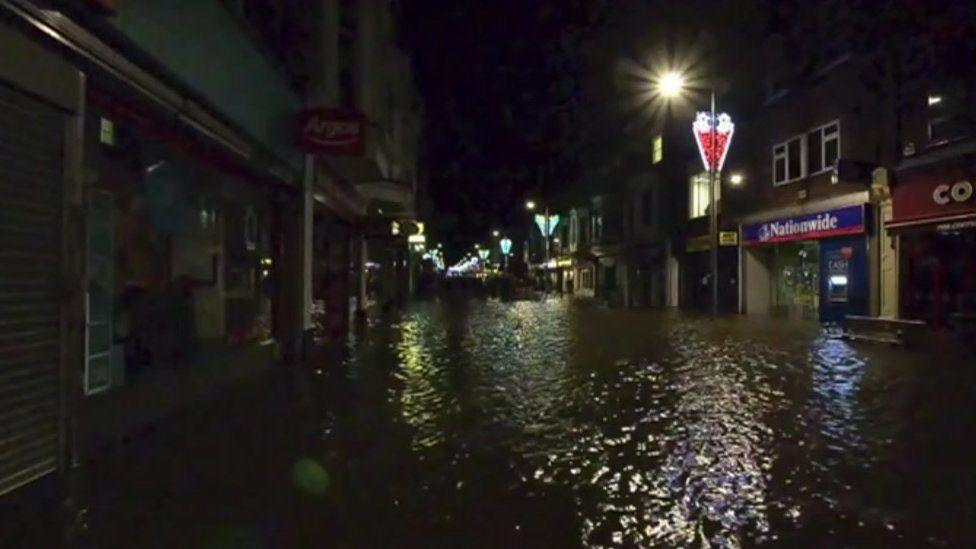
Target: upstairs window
column 823, row 148
column 658, row 150
column 947, row 118
column 596, row 221
column 788, row 161
column 944, row 129
column 698, row 195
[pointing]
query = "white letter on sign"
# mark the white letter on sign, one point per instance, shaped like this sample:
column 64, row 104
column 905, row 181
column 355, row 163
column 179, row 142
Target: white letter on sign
column 941, row 195
column 962, row 191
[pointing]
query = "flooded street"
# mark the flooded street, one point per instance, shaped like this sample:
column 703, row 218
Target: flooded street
column 546, row 421
column 485, row 424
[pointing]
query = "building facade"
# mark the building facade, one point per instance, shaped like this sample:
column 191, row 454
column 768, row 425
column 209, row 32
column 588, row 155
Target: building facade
column 808, row 232
column 160, row 223
column 930, row 217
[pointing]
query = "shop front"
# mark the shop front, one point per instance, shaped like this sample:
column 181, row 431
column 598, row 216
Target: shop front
column 695, row 272
column 808, row 266
column 40, row 277
column 934, row 219
column 583, row 279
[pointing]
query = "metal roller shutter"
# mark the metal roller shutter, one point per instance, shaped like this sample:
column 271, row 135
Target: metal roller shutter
column 31, row 145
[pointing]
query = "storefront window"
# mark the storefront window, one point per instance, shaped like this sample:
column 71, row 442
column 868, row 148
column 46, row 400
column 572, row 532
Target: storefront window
column 939, row 276
column 192, row 260
column 796, row 279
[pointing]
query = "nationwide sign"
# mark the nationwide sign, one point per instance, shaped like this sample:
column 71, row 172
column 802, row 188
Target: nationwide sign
column 849, row 220
column 335, row 132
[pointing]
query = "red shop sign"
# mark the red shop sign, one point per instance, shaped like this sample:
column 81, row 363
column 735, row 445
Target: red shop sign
column 336, row 132
column 945, row 193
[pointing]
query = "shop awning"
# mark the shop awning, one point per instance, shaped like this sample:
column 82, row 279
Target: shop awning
column 948, row 223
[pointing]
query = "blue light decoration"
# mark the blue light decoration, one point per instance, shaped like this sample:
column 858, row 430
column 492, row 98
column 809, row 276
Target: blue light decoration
column 540, row 220
column 506, row 245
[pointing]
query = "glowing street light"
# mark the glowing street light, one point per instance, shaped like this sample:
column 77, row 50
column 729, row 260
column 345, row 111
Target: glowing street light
column 671, row 84
column 529, row 205
column 505, row 245
column 736, row 179
column 495, row 233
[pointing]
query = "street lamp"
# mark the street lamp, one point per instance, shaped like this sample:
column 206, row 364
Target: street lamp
column 671, row 84
column 713, row 133
column 495, row 233
column 529, row 205
column 736, row 179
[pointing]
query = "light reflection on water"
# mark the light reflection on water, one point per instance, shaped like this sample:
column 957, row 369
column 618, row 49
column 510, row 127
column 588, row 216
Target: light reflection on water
column 662, row 430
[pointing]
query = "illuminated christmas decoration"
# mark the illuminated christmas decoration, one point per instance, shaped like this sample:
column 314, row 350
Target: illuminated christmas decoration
column 713, row 154
column 540, row 220
column 506, row 245
column 483, row 253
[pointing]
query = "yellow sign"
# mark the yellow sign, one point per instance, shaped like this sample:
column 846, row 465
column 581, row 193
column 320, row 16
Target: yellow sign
column 728, row 238
column 564, row 263
column 697, row 244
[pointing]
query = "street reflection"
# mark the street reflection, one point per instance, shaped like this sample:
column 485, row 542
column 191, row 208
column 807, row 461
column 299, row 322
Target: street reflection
column 644, row 429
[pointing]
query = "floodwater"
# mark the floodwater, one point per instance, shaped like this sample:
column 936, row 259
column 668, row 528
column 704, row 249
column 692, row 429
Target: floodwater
column 553, row 424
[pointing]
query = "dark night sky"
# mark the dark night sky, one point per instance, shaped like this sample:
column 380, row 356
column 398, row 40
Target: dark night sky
column 499, row 80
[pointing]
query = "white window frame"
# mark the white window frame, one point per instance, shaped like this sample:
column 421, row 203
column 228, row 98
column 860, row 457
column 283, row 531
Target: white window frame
column 823, row 148
column 786, row 157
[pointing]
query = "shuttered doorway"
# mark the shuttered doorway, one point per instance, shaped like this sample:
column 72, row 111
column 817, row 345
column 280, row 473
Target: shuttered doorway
column 31, row 154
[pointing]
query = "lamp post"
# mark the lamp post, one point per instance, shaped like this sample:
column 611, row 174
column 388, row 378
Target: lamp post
column 546, row 223
column 713, row 133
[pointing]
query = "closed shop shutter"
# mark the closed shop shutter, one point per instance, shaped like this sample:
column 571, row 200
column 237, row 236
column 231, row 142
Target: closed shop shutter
column 31, row 145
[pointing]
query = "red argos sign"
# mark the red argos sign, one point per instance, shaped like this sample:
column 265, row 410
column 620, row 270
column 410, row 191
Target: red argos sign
column 336, row 132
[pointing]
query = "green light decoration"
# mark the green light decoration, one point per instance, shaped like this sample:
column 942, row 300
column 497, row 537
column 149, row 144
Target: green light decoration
column 540, row 220
column 506, row 245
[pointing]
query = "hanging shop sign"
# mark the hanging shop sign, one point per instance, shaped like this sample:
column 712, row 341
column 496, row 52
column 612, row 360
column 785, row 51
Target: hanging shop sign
column 849, row 220
column 713, row 135
column 945, row 196
column 728, row 238
column 335, row 132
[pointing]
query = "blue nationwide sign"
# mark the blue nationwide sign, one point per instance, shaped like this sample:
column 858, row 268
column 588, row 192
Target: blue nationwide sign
column 849, row 220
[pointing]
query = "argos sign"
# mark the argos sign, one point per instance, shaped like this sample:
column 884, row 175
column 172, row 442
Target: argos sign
column 335, row 132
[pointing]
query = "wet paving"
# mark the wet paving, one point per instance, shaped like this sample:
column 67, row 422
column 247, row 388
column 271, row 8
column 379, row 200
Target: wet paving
column 553, row 424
